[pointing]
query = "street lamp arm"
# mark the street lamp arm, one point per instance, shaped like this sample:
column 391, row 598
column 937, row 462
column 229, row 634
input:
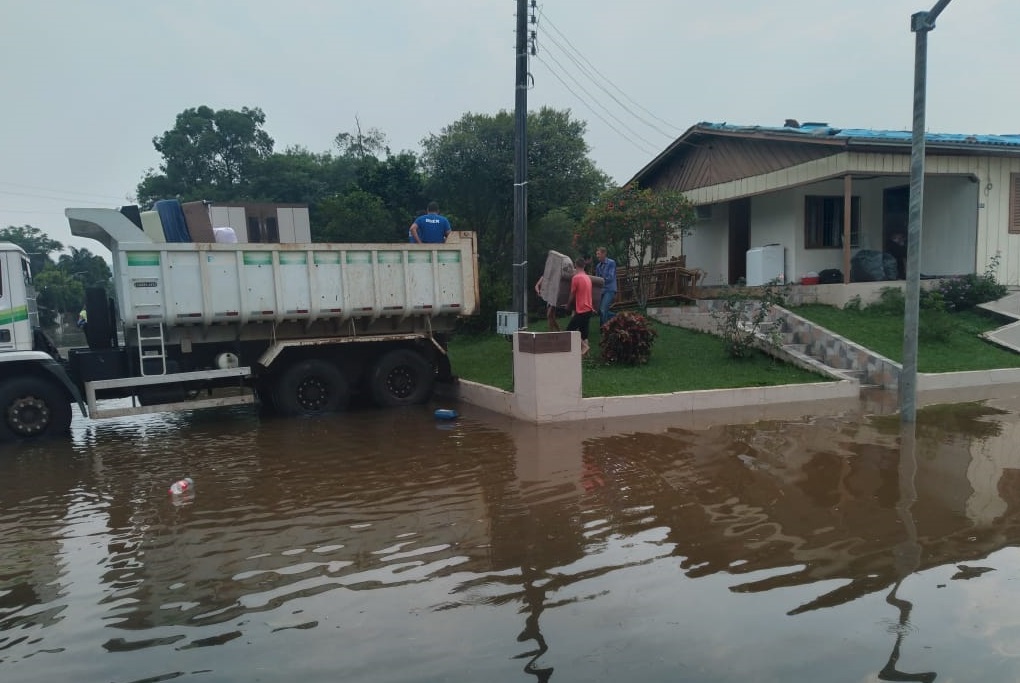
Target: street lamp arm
column 925, row 21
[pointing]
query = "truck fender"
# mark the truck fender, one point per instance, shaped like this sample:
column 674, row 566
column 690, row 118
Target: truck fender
column 57, row 370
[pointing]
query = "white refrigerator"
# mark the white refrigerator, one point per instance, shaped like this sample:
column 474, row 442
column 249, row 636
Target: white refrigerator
column 765, row 264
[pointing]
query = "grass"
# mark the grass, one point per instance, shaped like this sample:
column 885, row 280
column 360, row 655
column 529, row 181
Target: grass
column 962, row 349
column 681, row 360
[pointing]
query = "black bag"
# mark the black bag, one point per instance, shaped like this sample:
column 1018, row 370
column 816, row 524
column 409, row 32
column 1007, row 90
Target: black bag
column 830, row 276
column 868, row 265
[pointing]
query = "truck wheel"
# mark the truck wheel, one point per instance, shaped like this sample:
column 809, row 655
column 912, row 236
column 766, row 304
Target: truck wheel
column 401, row 377
column 311, row 387
column 30, row 406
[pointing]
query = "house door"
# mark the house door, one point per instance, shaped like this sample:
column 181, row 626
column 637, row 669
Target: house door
column 740, row 238
column 895, row 218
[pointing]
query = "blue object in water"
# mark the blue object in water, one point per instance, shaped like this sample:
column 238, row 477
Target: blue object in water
column 445, row 414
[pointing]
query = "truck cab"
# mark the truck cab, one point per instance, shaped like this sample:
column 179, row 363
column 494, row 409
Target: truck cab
column 35, row 390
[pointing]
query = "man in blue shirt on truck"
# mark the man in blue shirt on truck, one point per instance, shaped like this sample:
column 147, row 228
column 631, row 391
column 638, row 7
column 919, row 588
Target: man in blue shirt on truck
column 429, row 227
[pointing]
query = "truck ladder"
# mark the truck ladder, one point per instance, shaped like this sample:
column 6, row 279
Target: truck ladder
column 150, row 342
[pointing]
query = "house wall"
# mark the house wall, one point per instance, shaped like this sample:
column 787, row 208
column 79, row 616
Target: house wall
column 707, row 247
column 964, row 218
column 993, row 219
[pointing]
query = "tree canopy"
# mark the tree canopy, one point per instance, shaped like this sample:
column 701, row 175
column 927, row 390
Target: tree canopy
column 639, row 221
column 207, row 154
column 85, row 267
column 60, row 284
column 469, row 166
column 35, row 243
column 362, row 191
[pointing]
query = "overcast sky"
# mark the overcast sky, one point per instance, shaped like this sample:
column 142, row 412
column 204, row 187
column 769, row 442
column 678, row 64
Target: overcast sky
column 87, row 85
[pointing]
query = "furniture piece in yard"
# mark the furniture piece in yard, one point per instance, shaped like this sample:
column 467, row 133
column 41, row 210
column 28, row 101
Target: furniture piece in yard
column 665, row 281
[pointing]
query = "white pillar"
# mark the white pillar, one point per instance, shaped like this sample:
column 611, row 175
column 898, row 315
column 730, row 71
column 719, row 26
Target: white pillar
column 547, row 375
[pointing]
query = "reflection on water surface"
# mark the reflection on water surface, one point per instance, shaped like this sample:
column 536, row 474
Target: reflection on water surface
column 809, row 543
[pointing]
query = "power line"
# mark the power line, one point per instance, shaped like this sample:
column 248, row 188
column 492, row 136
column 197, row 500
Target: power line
column 55, row 199
column 604, row 78
column 46, row 213
column 52, row 191
column 649, row 147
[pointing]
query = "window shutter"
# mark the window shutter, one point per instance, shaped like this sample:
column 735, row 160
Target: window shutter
column 1014, row 203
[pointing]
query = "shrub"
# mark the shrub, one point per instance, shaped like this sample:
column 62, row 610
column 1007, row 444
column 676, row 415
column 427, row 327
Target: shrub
column 627, row 339
column 967, row 291
column 890, row 302
column 935, row 322
column 744, row 317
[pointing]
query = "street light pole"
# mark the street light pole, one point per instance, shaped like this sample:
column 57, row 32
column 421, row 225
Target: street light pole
column 920, row 24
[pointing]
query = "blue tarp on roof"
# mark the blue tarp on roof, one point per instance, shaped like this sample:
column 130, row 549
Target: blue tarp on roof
column 865, row 134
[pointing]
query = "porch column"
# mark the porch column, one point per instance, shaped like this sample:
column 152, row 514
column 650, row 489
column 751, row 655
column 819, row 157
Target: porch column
column 847, row 206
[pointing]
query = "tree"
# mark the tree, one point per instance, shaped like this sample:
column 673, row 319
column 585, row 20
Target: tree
column 59, row 293
column 642, row 220
column 356, row 216
column 298, row 176
column 398, row 182
column 207, row 155
column 361, row 145
column 469, row 169
column 85, row 267
column 35, row 243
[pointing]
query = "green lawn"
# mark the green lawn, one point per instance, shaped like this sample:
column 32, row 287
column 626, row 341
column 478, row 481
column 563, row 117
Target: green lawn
column 682, row 360
column 883, row 333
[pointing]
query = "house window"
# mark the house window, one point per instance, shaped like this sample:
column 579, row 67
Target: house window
column 1014, row 203
column 823, row 222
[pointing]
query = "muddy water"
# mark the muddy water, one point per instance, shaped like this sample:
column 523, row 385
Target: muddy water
column 818, row 543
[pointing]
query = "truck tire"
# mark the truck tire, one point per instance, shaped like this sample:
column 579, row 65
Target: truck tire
column 311, row 387
column 401, row 378
column 31, row 407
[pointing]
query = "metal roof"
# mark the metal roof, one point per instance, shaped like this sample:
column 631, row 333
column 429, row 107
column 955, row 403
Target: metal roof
column 817, row 134
column 818, row 131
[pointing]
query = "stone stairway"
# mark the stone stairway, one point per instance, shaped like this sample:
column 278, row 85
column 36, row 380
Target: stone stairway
column 804, row 344
column 820, row 350
column 813, row 347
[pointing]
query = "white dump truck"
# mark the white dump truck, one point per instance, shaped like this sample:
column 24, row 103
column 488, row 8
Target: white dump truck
column 296, row 328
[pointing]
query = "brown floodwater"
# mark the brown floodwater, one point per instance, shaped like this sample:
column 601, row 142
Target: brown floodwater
column 804, row 543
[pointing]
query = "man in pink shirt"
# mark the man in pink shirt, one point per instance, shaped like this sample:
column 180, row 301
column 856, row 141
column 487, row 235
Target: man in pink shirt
column 580, row 302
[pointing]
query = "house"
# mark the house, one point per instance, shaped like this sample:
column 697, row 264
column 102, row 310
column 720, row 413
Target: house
column 825, row 193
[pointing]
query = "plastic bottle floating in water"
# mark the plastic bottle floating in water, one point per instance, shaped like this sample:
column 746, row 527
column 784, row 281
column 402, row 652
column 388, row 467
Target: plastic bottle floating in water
column 445, row 414
column 182, row 486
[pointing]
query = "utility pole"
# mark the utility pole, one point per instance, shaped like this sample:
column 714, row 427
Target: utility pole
column 920, row 24
column 520, row 259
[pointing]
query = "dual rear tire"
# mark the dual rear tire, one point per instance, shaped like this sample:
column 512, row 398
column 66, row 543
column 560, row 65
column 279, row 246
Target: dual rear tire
column 311, row 387
column 400, row 377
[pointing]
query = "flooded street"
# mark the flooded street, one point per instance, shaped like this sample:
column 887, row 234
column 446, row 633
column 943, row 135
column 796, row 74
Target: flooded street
column 387, row 546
